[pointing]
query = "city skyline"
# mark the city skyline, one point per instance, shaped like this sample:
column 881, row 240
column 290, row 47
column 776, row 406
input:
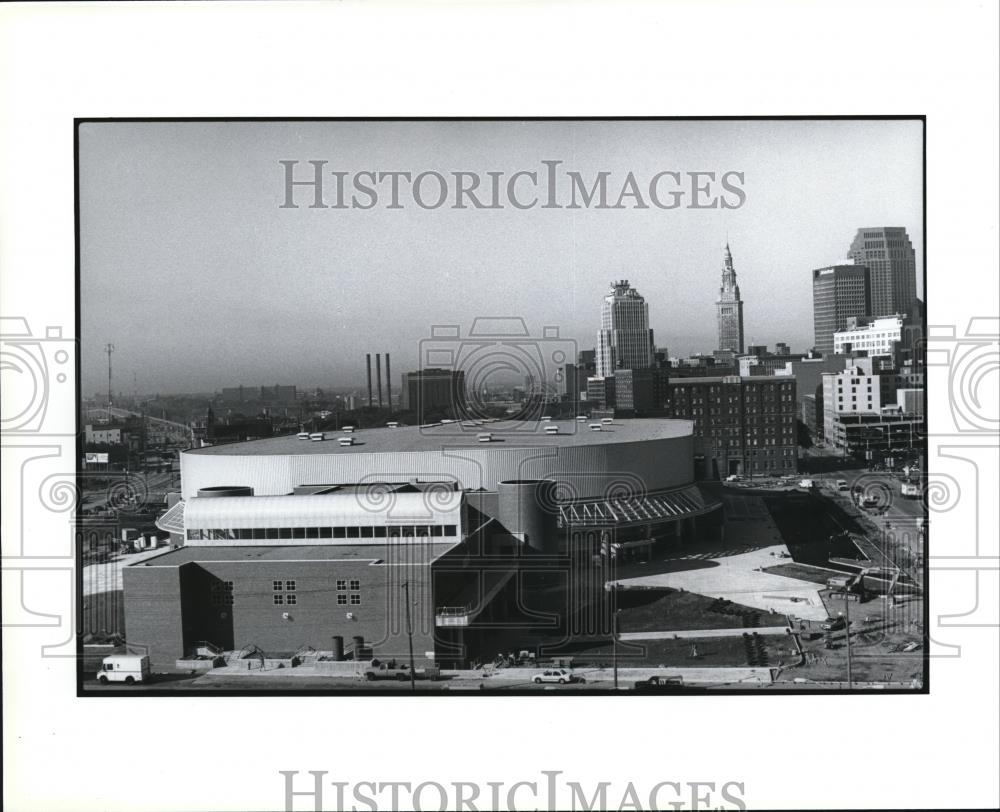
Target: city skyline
column 192, row 270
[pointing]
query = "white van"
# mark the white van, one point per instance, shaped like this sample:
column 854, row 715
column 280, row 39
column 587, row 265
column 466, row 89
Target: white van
column 127, row 668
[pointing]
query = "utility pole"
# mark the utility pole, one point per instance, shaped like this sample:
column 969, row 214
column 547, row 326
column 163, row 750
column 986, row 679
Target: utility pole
column 614, row 629
column 109, row 348
column 847, row 636
column 409, row 634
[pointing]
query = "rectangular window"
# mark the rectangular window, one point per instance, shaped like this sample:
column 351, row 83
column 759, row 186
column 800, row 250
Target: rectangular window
column 340, row 532
column 367, row 532
column 312, row 532
column 326, row 532
column 298, row 532
column 285, row 532
column 355, row 584
column 353, row 532
column 341, row 584
column 276, row 586
column 380, row 532
column 278, row 599
column 271, row 533
column 342, row 599
column 291, row 600
column 355, row 600
column 450, row 529
column 289, row 586
column 222, row 593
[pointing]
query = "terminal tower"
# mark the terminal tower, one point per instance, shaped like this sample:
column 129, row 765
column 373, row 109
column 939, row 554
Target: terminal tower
column 729, row 309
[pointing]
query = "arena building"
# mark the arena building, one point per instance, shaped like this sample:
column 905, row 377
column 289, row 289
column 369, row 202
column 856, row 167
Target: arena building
column 305, row 542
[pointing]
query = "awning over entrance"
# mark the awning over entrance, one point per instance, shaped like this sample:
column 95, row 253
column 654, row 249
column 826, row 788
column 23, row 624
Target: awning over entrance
column 678, row 504
column 173, row 520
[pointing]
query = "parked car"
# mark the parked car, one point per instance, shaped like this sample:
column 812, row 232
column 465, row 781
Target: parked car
column 841, row 484
column 559, row 675
column 658, row 683
column 831, row 624
column 401, row 673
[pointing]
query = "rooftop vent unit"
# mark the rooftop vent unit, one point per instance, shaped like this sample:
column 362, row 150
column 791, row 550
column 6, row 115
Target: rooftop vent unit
column 595, row 427
column 607, row 421
column 546, row 418
column 485, row 437
column 317, row 437
column 393, row 424
column 581, row 418
column 303, row 435
column 345, row 441
column 552, row 429
column 348, row 429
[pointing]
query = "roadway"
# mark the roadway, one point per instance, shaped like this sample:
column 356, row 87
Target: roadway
column 892, row 528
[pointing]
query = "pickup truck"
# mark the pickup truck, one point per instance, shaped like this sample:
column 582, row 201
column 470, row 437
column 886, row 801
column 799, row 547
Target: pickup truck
column 659, row 684
column 382, row 671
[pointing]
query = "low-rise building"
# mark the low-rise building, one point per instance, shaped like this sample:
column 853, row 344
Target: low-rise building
column 874, row 337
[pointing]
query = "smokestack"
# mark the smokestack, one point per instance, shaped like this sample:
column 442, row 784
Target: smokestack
column 388, row 382
column 378, row 375
column 368, row 362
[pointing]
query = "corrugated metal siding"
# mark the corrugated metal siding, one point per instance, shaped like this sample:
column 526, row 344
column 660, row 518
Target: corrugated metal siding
column 354, row 509
column 584, row 471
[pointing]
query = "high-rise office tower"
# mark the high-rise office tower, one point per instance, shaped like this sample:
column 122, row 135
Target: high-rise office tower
column 891, row 262
column 729, row 308
column 840, row 292
column 625, row 340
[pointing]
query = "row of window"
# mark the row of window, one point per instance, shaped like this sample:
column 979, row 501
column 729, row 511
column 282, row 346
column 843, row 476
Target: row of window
column 255, row 533
column 283, row 592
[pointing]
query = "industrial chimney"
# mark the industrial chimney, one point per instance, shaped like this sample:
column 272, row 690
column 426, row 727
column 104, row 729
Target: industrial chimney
column 378, row 375
column 368, row 362
column 388, row 382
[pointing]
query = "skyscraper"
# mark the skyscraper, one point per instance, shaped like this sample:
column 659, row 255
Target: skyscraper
column 840, row 292
column 625, row 340
column 729, row 308
column 891, row 262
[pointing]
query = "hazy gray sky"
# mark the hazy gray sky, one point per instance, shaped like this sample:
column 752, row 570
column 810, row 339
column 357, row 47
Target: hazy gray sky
column 191, row 268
